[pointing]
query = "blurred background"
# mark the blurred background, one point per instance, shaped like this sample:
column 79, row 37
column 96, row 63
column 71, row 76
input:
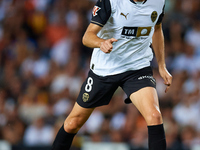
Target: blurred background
column 43, row 64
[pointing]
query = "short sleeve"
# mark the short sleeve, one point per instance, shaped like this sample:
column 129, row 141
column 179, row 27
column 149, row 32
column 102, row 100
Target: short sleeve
column 161, row 16
column 101, row 12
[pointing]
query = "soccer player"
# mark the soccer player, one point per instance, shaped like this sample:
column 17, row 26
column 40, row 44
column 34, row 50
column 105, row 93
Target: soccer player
column 122, row 33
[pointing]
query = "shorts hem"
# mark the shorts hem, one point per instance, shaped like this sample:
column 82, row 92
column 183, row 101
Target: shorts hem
column 128, row 100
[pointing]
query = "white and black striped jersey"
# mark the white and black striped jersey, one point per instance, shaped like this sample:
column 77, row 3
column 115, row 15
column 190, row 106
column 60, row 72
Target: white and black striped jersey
column 132, row 24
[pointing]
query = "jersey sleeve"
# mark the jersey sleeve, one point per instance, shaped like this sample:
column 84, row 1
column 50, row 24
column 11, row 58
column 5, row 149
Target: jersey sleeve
column 161, row 16
column 101, row 12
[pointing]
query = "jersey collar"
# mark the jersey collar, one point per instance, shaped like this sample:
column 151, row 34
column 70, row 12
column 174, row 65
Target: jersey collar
column 136, row 3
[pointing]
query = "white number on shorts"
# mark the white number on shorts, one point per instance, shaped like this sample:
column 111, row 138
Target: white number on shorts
column 89, row 84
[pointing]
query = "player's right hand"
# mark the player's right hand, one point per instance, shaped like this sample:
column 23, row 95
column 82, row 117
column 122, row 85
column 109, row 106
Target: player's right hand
column 107, row 46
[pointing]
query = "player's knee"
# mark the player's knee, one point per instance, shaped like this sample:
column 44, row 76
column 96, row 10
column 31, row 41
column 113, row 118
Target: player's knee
column 154, row 118
column 72, row 125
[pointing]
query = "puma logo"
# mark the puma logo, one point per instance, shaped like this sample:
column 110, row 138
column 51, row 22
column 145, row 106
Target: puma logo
column 124, row 15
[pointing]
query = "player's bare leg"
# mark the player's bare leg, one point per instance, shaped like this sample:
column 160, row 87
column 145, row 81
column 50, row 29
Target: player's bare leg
column 72, row 124
column 77, row 118
column 146, row 101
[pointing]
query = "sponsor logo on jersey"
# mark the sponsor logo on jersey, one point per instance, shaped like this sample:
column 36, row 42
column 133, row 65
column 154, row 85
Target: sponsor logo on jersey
column 154, row 16
column 143, row 31
column 95, row 10
column 124, row 15
column 85, row 97
column 133, row 32
column 129, row 31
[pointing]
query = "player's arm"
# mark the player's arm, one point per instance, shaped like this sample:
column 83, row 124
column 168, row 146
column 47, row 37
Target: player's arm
column 90, row 39
column 158, row 46
column 100, row 15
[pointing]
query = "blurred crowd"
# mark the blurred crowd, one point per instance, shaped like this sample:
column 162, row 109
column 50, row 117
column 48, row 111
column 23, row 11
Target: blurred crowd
column 43, row 65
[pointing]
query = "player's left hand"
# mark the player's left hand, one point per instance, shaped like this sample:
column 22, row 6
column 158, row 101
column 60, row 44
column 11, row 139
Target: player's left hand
column 167, row 77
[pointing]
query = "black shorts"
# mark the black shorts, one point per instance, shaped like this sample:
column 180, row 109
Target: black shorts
column 97, row 90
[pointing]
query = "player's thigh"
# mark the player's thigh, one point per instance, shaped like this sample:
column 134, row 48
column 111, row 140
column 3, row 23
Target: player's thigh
column 146, row 101
column 96, row 90
column 133, row 81
column 77, row 117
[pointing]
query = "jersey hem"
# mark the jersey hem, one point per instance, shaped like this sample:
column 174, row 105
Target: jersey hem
column 111, row 74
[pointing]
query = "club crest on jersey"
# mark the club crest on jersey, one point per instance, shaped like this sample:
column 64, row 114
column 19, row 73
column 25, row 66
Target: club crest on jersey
column 85, row 97
column 95, row 10
column 154, row 16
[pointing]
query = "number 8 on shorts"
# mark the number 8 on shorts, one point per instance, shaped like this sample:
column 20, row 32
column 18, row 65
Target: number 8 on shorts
column 88, row 86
